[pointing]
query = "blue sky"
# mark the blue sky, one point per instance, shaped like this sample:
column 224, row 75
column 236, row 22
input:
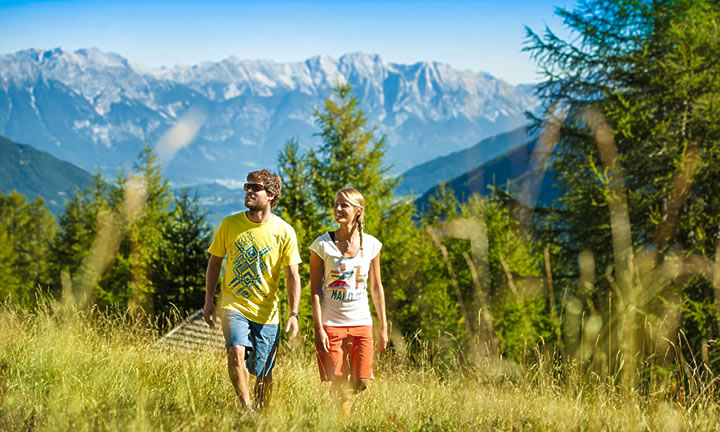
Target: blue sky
column 479, row 35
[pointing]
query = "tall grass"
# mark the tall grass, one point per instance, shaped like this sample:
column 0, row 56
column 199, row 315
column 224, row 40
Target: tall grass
column 63, row 370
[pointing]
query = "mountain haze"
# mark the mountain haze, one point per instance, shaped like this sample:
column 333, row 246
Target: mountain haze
column 218, row 120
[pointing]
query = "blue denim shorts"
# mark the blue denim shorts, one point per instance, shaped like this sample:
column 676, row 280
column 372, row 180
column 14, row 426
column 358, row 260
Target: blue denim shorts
column 260, row 341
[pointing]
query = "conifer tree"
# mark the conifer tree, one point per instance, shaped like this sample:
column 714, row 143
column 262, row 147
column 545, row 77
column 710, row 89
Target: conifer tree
column 640, row 79
column 88, row 265
column 351, row 154
column 77, row 229
column 27, row 230
column 9, row 278
column 113, row 224
column 110, row 236
column 178, row 273
column 148, row 205
column 298, row 205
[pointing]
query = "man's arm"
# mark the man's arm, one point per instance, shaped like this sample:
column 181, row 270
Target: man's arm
column 211, row 279
column 293, row 290
column 378, row 298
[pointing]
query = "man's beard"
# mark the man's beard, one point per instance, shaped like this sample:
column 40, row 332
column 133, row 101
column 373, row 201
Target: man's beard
column 254, row 205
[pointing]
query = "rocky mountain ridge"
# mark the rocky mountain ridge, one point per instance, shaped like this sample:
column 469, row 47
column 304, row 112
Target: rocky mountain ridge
column 221, row 119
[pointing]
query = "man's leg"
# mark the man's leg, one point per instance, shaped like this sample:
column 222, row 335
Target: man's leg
column 239, row 375
column 263, row 390
column 265, row 339
column 236, row 331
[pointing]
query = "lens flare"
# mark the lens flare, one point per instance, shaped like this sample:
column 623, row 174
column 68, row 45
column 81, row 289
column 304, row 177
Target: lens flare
column 180, row 135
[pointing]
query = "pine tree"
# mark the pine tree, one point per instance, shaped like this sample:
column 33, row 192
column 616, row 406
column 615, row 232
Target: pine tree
column 516, row 288
column 9, row 278
column 479, row 277
column 351, row 155
column 110, row 236
column 178, row 273
column 637, row 93
column 298, row 205
column 111, row 249
column 77, row 230
column 147, row 198
column 28, row 229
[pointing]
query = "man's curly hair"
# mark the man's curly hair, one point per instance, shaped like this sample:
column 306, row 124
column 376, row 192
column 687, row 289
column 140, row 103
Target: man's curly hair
column 272, row 182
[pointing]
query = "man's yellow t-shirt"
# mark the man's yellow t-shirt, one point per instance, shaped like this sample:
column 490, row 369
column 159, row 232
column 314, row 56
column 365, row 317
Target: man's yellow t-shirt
column 256, row 253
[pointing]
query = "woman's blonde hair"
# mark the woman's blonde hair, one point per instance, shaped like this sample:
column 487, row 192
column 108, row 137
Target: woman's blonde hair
column 355, row 198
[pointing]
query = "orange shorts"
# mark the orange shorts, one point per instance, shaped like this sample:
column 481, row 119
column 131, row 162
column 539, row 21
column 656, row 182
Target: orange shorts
column 351, row 352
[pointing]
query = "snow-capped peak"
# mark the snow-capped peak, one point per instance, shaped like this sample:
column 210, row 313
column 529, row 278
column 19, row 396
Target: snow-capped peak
column 426, row 107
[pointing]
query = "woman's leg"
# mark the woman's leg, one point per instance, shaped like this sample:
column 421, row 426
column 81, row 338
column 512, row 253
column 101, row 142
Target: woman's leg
column 334, row 367
column 361, row 357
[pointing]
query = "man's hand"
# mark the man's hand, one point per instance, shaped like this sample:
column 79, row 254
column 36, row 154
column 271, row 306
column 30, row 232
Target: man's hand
column 209, row 314
column 292, row 276
column 382, row 339
column 292, row 324
column 211, row 280
column 322, row 341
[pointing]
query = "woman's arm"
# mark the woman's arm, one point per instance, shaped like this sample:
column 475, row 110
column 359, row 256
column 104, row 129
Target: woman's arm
column 317, row 272
column 378, row 298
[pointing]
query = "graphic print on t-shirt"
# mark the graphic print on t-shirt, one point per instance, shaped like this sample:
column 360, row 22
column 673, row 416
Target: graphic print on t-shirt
column 340, row 277
column 340, row 288
column 248, row 266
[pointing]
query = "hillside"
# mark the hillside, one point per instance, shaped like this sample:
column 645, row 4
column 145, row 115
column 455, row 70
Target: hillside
column 420, row 178
column 510, row 171
column 34, row 173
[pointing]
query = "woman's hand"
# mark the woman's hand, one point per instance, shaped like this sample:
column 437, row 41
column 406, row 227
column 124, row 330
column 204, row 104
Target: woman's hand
column 382, row 339
column 322, row 341
column 378, row 297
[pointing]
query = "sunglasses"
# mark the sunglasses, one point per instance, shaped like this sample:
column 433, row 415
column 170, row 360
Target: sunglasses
column 256, row 187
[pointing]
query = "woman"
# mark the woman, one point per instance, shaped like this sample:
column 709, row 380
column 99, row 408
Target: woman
column 342, row 265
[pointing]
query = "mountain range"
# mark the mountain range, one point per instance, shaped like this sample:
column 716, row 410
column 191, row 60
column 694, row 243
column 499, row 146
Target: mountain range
column 218, row 120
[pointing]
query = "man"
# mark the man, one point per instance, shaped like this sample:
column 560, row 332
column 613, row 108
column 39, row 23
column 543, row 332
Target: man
column 257, row 245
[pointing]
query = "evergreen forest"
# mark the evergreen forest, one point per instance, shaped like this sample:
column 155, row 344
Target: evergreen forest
column 619, row 277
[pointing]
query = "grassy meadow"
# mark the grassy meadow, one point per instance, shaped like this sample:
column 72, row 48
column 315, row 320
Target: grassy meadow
column 79, row 371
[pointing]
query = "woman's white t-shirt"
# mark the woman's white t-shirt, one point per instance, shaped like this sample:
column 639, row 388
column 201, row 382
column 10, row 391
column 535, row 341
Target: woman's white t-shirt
column 344, row 299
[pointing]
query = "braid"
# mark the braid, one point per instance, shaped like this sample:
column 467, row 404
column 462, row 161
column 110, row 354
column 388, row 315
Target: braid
column 360, row 228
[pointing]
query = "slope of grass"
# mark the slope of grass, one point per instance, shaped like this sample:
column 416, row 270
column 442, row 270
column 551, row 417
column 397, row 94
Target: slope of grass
column 88, row 371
